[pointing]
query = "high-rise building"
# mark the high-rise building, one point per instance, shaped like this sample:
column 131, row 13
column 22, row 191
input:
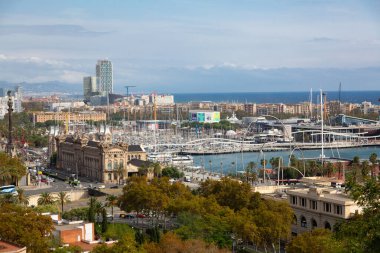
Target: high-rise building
column 89, row 86
column 104, row 77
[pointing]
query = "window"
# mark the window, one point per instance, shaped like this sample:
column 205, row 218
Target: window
column 313, row 204
column 339, row 209
column 294, row 221
column 327, row 207
column 303, row 202
column 109, row 176
column 115, row 165
column 109, row 166
column 327, row 225
column 294, row 200
column 303, row 222
column 313, row 224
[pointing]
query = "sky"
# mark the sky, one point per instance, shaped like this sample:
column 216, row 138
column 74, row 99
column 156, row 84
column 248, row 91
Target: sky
column 194, row 45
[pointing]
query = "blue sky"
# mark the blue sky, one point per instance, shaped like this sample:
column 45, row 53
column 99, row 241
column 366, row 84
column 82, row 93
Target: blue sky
column 195, row 45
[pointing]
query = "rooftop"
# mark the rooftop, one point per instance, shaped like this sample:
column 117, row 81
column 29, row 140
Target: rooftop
column 8, row 247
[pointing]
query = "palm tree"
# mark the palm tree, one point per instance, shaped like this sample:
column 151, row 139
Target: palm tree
column 63, row 198
column 98, row 210
column 21, row 197
column 373, row 160
column 249, row 170
column 330, row 169
column 157, row 169
column 111, row 201
column 7, row 199
column 45, row 199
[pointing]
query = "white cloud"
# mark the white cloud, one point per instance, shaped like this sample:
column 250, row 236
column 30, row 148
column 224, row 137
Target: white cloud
column 33, row 60
column 72, row 76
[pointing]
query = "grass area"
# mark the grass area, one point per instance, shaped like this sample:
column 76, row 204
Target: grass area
column 117, row 231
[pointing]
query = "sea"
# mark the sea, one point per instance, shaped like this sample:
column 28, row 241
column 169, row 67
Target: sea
column 279, row 97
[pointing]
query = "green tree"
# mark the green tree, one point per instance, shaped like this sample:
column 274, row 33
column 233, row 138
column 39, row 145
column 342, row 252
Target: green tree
column 361, row 233
column 11, row 169
column 23, row 226
column 172, row 172
column 227, row 192
column 104, row 220
column 62, row 199
column 316, row 241
column 91, row 209
column 45, row 199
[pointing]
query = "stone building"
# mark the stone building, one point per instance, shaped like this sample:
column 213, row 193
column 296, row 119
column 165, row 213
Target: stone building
column 95, row 157
column 319, row 208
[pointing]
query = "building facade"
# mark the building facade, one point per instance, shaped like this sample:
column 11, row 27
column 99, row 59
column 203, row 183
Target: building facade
column 104, row 77
column 319, row 208
column 95, row 157
column 89, row 86
column 72, row 117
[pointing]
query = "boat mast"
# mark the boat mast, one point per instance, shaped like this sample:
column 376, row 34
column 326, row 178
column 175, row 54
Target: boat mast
column 311, row 103
column 322, row 142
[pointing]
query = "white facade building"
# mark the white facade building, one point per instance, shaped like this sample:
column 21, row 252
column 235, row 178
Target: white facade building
column 104, row 76
column 162, row 99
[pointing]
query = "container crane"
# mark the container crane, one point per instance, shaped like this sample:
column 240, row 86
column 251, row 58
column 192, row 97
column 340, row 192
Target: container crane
column 127, row 87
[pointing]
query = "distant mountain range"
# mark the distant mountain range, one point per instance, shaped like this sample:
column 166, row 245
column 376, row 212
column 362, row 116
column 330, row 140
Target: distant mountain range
column 45, row 87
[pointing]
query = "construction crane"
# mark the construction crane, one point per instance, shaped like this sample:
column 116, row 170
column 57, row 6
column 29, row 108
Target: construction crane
column 127, row 87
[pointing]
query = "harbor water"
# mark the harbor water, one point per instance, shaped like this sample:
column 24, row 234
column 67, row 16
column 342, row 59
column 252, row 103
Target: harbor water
column 230, row 163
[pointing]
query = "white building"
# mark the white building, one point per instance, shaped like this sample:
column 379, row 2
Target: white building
column 4, row 105
column 319, row 208
column 162, row 99
column 89, row 86
column 57, row 107
column 104, row 76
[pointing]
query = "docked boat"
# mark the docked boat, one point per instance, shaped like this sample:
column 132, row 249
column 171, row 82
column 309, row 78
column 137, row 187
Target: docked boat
column 160, row 157
column 182, row 160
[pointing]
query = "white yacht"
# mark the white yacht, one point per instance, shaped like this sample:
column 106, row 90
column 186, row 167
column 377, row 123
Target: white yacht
column 182, row 160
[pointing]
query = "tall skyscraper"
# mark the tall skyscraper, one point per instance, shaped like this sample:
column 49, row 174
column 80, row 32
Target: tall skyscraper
column 89, row 86
column 104, row 76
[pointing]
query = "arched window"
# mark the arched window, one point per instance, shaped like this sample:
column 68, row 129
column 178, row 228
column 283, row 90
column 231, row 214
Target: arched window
column 109, row 166
column 327, row 225
column 115, row 164
column 294, row 221
column 303, row 222
column 139, row 156
column 121, row 164
column 313, row 223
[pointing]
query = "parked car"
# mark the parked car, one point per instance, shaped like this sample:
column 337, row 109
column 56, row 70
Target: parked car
column 140, row 215
column 114, row 187
column 127, row 216
column 102, row 186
